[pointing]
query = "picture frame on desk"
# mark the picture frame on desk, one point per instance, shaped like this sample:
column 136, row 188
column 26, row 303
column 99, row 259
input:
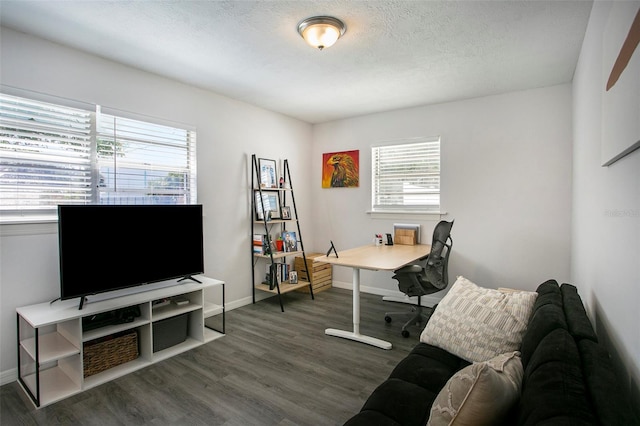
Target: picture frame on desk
column 271, row 201
column 268, row 173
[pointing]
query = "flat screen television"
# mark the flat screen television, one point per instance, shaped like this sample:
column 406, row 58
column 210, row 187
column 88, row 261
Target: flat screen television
column 111, row 247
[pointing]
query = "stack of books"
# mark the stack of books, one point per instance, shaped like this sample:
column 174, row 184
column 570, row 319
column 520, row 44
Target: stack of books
column 259, row 246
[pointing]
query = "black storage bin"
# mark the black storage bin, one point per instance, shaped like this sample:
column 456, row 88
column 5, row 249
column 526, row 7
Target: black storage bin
column 169, row 332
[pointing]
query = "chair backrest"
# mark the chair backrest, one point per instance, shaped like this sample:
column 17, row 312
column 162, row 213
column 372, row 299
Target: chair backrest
column 441, row 234
column 436, row 269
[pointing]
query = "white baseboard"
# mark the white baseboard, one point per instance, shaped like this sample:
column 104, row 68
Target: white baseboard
column 8, row 376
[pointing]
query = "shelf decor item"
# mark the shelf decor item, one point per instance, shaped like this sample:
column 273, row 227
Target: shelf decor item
column 268, row 173
column 286, row 212
column 290, row 241
column 270, row 201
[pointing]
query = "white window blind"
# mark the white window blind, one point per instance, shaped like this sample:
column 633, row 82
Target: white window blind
column 145, row 163
column 53, row 154
column 406, row 176
column 45, row 152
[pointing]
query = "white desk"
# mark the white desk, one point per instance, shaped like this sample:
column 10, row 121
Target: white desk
column 375, row 258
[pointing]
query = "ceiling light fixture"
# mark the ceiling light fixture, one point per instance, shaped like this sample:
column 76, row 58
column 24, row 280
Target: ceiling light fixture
column 321, row 31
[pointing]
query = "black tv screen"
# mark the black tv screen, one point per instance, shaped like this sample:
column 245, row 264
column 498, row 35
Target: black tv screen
column 110, row 247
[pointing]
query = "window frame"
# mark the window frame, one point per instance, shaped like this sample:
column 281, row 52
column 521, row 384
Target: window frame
column 381, row 210
column 43, row 213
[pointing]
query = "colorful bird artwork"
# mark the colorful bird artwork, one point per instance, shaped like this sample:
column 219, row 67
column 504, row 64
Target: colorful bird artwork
column 340, row 169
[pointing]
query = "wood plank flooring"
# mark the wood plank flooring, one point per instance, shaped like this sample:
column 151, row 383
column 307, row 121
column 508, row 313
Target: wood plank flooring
column 271, row 368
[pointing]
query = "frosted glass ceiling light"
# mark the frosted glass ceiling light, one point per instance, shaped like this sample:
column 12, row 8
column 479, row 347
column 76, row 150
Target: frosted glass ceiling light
column 321, row 31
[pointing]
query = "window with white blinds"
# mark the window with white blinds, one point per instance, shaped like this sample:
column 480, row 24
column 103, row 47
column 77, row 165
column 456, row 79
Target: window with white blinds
column 406, row 176
column 52, row 154
column 144, row 163
column 45, row 156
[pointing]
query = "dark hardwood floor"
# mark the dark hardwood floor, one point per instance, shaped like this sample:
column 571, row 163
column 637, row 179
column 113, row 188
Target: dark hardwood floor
column 271, row 368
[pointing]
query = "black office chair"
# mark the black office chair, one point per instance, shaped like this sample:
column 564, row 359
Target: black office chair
column 428, row 275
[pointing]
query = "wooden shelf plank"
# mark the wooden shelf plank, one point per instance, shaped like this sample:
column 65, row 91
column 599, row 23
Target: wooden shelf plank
column 52, row 347
column 112, row 329
column 278, row 254
column 285, row 287
column 173, row 310
column 54, row 385
column 211, row 335
column 210, row 309
column 115, row 372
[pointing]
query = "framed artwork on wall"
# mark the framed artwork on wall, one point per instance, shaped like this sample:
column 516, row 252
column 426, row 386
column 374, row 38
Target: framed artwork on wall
column 620, row 82
column 268, row 173
column 341, row 169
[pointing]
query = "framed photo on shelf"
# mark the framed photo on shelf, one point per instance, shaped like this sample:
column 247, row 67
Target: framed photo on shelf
column 293, row 277
column 271, row 202
column 268, row 173
column 285, row 212
column 290, row 241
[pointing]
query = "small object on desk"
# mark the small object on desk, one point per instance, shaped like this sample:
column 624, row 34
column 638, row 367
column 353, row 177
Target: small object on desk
column 332, row 248
column 406, row 237
column 389, row 240
column 378, row 240
column 180, row 301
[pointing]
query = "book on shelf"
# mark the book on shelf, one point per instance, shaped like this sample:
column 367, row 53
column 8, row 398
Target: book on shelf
column 283, row 272
column 290, row 241
column 270, row 277
column 280, row 271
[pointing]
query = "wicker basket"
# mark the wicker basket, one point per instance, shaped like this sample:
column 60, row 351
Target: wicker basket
column 101, row 354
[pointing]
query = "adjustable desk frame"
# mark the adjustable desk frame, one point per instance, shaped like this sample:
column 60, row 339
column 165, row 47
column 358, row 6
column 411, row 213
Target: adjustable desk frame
column 375, row 258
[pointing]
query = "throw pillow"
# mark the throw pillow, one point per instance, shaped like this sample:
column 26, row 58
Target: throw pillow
column 477, row 323
column 480, row 394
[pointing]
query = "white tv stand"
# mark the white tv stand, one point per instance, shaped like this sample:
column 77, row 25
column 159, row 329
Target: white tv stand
column 51, row 338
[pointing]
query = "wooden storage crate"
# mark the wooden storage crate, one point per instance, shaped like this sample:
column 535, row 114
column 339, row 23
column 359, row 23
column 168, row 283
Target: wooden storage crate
column 101, row 354
column 405, row 237
column 320, row 272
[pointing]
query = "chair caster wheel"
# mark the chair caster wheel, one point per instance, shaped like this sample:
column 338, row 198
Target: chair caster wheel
column 387, row 318
column 405, row 333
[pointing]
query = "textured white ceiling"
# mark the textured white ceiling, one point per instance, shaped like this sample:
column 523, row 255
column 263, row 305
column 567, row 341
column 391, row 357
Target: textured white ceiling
column 395, row 54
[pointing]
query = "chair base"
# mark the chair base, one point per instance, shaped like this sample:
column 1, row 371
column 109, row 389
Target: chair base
column 417, row 318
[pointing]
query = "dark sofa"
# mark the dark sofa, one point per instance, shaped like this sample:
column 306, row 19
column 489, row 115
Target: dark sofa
column 568, row 377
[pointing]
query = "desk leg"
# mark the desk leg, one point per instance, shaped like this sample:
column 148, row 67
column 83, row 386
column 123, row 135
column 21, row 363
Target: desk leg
column 355, row 334
column 356, row 300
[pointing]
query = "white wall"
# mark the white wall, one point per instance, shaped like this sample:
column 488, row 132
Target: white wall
column 228, row 133
column 506, row 180
column 605, row 242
